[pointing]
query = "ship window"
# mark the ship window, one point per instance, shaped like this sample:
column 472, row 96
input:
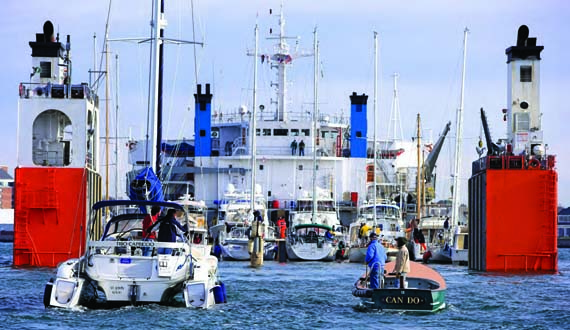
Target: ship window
column 526, row 73
column 305, row 132
column 45, row 69
column 300, row 167
column 280, row 132
column 202, row 133
column 261, row 167
column 358, row 134
column 295, row 132
column 266, row 132
column 522, row 121
column 52, row 134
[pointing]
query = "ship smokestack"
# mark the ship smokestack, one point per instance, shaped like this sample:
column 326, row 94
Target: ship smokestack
column 48, row 32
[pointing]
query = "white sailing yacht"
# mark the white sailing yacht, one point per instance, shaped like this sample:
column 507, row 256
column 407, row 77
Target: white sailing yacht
column 236, row 209
column 234, row 221
column 119, row 266
column 441, row 245
column 315, row 218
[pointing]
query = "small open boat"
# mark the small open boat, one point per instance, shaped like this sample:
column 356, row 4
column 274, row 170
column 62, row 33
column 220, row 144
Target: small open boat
column 424, row 290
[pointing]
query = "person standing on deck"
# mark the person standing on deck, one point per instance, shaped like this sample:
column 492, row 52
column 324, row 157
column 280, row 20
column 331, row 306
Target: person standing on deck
column 402, row 266
column 301, row 148
column 148, row 221
column 281, row 224
column 364, row 228
column 294, row 147
column 376, row 259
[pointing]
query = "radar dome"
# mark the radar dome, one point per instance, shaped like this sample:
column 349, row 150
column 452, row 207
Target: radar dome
column 538, row 150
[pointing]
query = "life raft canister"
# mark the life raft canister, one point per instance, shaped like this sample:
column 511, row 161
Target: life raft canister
column 534, row 164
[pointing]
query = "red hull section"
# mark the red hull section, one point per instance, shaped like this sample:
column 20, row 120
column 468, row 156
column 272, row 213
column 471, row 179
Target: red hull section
column 513, row 224
column 50, row 214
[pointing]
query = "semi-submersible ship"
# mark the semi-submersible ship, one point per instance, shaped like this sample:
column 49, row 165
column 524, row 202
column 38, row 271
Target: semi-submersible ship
column 513, row 188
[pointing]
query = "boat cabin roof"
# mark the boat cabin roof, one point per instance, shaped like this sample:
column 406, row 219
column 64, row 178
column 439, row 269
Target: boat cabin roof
column 103, row 204
column 312, row 225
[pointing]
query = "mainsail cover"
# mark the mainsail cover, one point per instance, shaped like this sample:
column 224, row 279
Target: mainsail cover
column 146, row 187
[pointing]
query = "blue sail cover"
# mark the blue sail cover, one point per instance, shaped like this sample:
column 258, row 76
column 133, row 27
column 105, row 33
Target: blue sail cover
column 146, row 187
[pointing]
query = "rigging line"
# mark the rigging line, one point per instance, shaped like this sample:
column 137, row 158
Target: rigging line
column 194, row 45
column 97, row 81
column 167, row 174
column 171, row 97
column 449, row 110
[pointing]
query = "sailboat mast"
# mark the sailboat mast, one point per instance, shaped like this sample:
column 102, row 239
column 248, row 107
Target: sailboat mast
column 159, row 92
column 419, row 175
column 375, row 111
column 117, row 126
column 107, row 96
column 315, row 116
column 253, row 123
column 459, row 138
column 153, row 86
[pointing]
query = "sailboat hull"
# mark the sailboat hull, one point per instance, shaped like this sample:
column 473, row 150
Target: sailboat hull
column 235, row 250
column 311, row 251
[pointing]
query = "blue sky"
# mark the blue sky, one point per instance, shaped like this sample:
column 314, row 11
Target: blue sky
column 421, row 40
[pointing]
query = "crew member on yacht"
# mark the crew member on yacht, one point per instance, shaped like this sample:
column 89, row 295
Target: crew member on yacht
column 148, row 221
column 167, row 230
column 376, row 259
column 328, row 235
column 363, row 232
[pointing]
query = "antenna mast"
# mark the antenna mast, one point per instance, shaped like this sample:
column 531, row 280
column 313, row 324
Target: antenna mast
column 395, row 121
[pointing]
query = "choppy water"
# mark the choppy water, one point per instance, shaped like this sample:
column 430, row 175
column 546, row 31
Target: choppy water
column 304, row 296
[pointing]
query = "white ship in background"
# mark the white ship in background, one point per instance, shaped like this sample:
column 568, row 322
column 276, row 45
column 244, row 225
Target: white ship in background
column 220, row 154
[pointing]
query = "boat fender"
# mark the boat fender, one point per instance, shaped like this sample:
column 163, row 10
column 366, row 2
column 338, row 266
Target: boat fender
column 220, row 293
column 47, row 292
column 362, row 293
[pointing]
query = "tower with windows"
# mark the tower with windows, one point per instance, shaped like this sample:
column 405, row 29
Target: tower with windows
column 56, row 179
column 524, row 130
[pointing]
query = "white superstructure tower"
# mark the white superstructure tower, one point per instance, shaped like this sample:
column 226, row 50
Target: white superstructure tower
column 524, row 130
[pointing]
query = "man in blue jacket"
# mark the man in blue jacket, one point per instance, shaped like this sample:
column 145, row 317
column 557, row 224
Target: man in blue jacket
column 376, row 259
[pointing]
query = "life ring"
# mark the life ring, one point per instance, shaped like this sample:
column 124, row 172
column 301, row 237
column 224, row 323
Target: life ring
column 132, row 145
column 534, row 164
